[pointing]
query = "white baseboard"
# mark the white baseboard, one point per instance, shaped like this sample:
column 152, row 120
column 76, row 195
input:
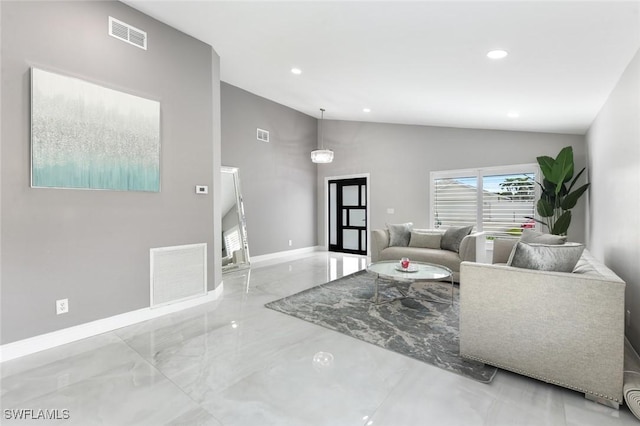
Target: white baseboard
column 287, row 253
column 60, row 337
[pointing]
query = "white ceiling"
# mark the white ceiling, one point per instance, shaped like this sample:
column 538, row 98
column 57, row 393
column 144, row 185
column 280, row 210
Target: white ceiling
column 421, row 62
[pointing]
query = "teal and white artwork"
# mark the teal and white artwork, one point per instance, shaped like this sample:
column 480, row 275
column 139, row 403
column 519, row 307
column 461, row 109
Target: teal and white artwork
column 86, row 136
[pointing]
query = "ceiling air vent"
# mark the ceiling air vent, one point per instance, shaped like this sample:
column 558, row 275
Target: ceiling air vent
column 127, row 33
column 263, row 135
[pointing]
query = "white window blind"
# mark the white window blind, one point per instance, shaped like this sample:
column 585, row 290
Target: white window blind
column 455, row 201
column 496, row 200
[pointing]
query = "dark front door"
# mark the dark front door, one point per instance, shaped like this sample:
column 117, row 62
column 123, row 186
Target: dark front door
column 348, row 215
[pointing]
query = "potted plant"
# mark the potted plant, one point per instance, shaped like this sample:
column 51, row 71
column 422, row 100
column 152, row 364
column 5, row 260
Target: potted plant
column 556, row 197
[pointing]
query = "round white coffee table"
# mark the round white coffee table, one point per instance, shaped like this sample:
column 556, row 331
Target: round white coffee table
column 418, row 271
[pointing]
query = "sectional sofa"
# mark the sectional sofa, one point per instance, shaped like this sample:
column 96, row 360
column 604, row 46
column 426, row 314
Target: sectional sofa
column 430, row 253
column 565, row 328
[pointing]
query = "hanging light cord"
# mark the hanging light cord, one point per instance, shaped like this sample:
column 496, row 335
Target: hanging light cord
column 321, row 128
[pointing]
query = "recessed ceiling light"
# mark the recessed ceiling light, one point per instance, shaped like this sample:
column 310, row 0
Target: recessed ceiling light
column 296, row 71
column 366, row 110
column 497, row 54
column 513, row 114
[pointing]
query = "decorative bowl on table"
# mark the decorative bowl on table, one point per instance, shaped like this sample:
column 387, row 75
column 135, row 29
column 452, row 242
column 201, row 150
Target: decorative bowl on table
column 410, row 268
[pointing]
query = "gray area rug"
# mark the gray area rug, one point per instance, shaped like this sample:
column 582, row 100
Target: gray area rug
column 422, row 330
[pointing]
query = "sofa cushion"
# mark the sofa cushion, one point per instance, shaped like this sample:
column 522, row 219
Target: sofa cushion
column 425, row 239
column 453, row 237
column 439, row 257
column 531, row 236
column 544, row 257
column 399, row 234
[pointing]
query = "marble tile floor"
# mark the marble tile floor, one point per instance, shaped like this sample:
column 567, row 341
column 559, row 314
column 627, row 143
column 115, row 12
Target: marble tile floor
column 234, row 362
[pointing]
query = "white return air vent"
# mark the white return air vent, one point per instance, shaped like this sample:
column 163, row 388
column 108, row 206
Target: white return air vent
column 178, row 273
column 127, row 33
column 262, row 135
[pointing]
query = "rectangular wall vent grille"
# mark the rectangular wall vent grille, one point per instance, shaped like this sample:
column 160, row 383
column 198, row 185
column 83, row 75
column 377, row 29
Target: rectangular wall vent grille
column 127, row 33
column 178, row 273
column 263, row 135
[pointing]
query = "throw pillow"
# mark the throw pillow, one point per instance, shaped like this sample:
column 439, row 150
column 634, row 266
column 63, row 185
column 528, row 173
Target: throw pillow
column 453, row 237
column 544, row 257
column 425, row 240
column 399, row 234
column 531, row 236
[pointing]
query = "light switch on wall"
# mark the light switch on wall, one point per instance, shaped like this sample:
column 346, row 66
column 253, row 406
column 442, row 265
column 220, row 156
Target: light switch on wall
column 202, row 189
column 391, row 210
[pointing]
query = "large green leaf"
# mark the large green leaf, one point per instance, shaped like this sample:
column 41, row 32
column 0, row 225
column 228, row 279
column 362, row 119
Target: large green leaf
column 563, row 191
column 570, row 200
column 562, row 170
column 565, row 157
column 546, row 165
column 548, row 191
column 548, row 187
column 575, row 179
column 544, row 207
column 562, row 224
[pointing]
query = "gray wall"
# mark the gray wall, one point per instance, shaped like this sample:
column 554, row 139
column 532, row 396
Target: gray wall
column 614, row 198
column 400, row 158
column 92, row 247
column 278, row 179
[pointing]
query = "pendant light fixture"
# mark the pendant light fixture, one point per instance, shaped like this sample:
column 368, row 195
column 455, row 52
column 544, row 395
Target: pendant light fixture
column 321, row 155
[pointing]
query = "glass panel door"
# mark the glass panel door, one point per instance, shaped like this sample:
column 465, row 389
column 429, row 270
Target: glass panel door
column 348, row 215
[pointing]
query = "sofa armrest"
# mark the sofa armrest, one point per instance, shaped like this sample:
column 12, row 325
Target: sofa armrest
column 379, row 241
column 467, row 250
column 563, row 328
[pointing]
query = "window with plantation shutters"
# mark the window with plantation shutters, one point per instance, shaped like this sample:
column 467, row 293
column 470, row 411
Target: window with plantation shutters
column 508, row 200
column 455, row 201
column 496, row 200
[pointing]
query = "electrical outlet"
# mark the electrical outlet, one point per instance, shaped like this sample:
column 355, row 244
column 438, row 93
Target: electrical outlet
column 627, row 318
column 62, row 306
column 290, row 243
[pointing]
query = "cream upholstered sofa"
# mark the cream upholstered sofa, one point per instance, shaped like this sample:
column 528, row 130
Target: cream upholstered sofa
column 565, row 328
column 380, row 250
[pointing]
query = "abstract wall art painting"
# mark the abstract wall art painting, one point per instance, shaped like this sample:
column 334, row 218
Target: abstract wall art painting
column 86, row 136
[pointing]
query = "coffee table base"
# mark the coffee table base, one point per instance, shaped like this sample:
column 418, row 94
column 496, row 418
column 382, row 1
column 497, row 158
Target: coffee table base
column 405, row 295
column 421, row 272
